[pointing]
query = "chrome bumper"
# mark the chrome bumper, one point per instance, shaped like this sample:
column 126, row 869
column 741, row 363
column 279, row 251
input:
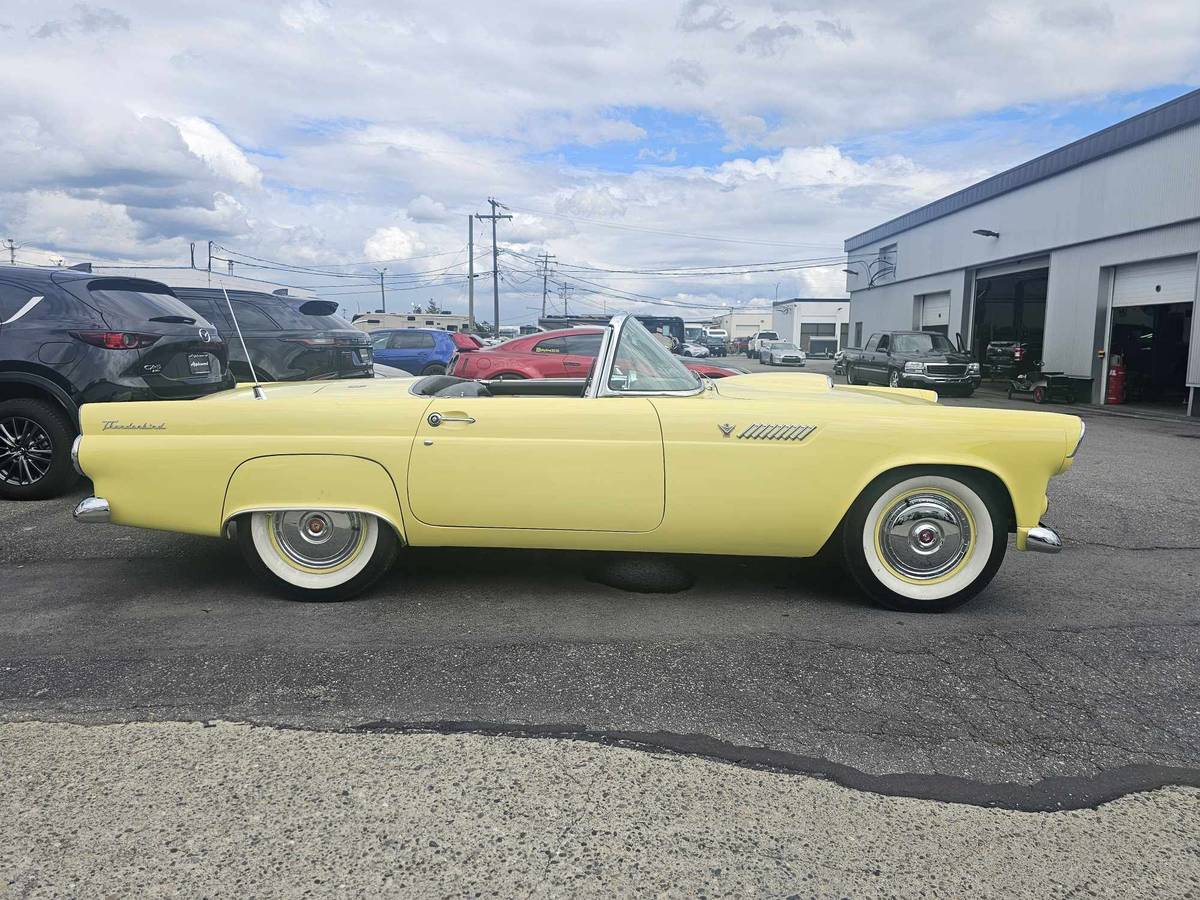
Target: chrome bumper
column 93, row 511
column 921, row 378
column 1043, row 540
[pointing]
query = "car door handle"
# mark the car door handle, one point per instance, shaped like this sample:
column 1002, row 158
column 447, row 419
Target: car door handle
column 435, row 419
column 573, row 365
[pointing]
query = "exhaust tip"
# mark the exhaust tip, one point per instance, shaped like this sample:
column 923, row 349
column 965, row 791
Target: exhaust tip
column 93, row 511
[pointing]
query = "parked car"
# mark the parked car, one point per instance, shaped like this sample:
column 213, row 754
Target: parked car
column 781, row 353
column 716, row 340
column 839, row 362
column 289, row 339
column 566, row 353
column 420, row 351
column 913, row 359
column 625, row 463
column 1011, row 359
column 755, row 342
column 695, row 351
column 68, row 338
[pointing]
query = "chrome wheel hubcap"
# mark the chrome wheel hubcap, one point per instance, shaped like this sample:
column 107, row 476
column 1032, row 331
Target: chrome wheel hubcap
column 26, row 451
column 925, row 536
column 317, row 539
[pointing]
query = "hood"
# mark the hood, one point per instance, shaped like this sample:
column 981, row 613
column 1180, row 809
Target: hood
column 810, row 385
column 953, row 357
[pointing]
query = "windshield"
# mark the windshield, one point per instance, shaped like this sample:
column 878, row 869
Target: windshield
column 644, row 364
column 783, row 345
column 921, row 343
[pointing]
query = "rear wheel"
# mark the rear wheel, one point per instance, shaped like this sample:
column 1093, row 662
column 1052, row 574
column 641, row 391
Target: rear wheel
column 850, row 377
column 925, row 541
column 35, row 450
column 1039, row 394
column 434, row 369
column 317, row 555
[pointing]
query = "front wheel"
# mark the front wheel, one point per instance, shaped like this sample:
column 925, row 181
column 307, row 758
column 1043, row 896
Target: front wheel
column 317, row 555
column 894, row 378
column 925, row 541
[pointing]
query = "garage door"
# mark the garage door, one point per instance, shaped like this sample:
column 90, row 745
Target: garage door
column 935, row 310
column 1159, row 281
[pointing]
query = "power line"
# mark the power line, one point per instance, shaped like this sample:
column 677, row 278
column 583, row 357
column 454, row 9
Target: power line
column 698, row 237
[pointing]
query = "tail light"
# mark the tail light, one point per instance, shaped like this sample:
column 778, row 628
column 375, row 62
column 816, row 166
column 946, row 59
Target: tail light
column 116, row 340
column 1018, row 354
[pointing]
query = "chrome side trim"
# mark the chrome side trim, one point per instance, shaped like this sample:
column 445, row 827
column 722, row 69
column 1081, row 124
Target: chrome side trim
column 1043, row 540
column 1078, row 443
column 75, row 454
column 771, row 432
column 29, row 304
column 93, row 511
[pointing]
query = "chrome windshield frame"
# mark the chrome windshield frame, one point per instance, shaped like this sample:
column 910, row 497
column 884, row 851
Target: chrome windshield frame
column 607, row 360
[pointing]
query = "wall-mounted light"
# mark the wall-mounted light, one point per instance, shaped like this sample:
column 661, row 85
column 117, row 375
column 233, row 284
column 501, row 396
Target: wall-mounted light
column 849, row 271
column 986, row 232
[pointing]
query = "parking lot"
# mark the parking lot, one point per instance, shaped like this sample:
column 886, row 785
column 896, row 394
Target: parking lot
column 1071, row 681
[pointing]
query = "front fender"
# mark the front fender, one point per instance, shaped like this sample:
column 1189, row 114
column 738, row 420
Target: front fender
column 313, row 481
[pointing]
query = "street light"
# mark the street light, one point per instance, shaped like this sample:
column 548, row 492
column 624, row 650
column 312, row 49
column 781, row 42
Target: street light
column 986, row 232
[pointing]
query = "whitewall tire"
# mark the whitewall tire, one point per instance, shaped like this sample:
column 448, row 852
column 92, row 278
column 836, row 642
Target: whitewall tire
column 926, row 540
column 317, row 555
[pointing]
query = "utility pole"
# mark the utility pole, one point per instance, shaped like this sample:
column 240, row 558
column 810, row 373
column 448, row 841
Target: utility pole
column 12, row 251
column 564, row 292
column 210, row 248
column 382, row 295
column 495, row 267
column 470, row 273
column 544, row 261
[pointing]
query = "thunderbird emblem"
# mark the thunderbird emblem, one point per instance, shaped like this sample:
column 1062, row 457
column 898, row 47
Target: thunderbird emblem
column 726, row 429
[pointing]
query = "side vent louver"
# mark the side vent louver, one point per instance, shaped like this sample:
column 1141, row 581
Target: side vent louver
column 766, row 431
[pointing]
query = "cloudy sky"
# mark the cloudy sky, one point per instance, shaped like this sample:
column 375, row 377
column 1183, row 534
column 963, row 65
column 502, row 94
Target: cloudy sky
column 325, row 135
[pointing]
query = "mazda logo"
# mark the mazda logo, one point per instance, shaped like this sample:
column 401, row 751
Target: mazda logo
column 204, row 335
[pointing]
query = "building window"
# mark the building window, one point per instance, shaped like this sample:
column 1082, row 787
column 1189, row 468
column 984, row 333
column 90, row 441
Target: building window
column 858, row 334
column 844, row 337
column 817, row 329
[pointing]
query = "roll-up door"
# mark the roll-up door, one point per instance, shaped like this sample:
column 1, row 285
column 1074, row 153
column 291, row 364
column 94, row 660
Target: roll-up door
column 935, row 311
column 1158, row 281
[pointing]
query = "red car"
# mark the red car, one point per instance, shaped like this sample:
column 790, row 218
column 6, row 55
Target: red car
column 568, row 353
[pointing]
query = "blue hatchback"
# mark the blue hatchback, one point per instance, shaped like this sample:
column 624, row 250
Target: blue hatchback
column 419, row 351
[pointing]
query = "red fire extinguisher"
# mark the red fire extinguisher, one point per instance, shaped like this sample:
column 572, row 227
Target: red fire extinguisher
column 1116, row 382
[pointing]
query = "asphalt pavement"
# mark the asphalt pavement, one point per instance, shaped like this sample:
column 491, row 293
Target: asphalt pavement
column 1071, row 682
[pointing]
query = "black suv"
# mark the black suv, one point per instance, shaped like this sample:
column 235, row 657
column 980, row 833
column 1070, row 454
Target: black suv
column 69, row 338
column 289, row 339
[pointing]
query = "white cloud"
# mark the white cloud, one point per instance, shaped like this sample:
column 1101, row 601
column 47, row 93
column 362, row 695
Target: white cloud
column 224, row 157
column 392, row 242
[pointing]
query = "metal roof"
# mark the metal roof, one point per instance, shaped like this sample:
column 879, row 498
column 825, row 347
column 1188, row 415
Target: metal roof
column 810, row 300
column 1172, row 115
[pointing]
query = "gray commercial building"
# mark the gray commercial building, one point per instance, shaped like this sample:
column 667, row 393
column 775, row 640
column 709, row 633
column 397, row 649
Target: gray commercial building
column 1084, row 254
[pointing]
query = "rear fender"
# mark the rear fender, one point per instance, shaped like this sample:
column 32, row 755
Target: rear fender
column 313, row 481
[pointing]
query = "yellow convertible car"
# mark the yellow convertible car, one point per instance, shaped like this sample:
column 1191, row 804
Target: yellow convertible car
column 322, row 483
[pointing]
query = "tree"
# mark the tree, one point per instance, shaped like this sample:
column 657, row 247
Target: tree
column 433, row 309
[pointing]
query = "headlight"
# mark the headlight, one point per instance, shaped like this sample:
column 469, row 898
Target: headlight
column 972, row 368
column 914, row 367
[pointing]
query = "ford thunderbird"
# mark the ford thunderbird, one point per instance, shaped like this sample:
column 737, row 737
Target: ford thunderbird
column 322, row 484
